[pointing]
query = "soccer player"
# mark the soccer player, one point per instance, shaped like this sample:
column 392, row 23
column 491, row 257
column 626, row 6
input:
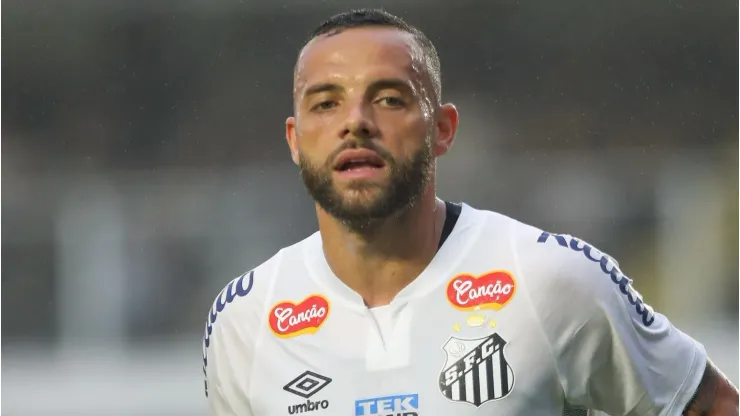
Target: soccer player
column 404, row 304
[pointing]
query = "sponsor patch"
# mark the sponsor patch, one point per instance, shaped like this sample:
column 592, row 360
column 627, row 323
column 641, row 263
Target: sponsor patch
column 306, row 385
column 400, row 405
column 288, row 319
column 491, row 290
column 476, row 370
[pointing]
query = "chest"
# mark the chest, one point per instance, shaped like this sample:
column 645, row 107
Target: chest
column 422, row 358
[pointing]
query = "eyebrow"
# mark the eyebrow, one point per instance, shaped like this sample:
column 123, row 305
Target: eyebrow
column 322, row 87
column 377, row 85
column 390, row 83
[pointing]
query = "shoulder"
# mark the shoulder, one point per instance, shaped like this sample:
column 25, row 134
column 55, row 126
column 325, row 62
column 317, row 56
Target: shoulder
column 544, row 255
column 552, row 263
column 518, row 246
column 499, row 226
column 238, row 313
column 532, row 244
column 244, row 297
column 569, row 260
column 592, row 278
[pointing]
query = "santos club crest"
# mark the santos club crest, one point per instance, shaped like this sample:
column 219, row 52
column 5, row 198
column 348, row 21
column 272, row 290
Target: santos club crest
column 476, row 370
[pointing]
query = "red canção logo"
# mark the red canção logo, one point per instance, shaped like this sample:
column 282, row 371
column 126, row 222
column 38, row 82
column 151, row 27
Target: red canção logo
column 288, row 319
column 491, row 290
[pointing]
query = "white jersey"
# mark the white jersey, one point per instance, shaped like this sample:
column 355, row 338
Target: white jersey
column 505, row 320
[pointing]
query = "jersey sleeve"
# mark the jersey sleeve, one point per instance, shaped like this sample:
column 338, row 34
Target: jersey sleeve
column 229, row 348
column 612, row 351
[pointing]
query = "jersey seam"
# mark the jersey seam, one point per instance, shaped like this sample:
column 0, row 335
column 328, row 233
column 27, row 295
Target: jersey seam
column 681, row 390
column 263, row 322
column 536, row 314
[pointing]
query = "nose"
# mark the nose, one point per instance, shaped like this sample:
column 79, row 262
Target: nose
column 360, row 122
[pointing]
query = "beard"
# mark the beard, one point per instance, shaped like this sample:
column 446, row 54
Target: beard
column 363, row 204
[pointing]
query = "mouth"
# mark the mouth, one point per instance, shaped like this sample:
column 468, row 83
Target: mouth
column 359, row 159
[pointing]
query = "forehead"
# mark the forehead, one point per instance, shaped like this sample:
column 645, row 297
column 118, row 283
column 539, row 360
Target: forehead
column 357, row 54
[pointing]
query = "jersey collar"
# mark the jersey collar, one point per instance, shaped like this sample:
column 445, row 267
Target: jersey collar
column 439, row 270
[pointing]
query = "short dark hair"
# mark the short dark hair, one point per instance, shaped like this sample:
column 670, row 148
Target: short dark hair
column 381, row 18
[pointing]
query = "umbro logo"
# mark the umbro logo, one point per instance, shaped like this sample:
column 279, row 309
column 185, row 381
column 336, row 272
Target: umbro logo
column 306, row 385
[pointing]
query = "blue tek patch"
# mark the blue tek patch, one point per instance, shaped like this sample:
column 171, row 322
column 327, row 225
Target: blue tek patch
column 403, row 405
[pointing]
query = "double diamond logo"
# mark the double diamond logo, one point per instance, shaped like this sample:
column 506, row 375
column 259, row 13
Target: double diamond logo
column 307, row 384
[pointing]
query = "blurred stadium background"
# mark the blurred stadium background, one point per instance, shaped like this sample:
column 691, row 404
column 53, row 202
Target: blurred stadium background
column 144, row 166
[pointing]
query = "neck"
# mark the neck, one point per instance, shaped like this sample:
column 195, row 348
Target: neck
column 378, row 264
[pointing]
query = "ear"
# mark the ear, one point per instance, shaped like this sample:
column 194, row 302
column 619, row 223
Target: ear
column 447, row 121
column 290, row 137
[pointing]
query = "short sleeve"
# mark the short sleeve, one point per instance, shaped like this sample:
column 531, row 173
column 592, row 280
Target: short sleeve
column 613, row 352
column 228, row 350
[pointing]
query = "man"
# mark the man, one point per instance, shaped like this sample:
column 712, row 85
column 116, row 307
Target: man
column 403, row 304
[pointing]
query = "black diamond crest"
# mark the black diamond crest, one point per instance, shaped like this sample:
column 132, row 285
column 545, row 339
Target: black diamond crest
column 307, row 384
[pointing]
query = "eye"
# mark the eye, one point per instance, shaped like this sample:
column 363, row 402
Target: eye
column 324, row 106
column 392, row 102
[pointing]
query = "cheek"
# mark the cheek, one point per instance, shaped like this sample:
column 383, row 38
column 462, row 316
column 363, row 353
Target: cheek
column 314, row 130
column 411, row 138
column 306, row 131
column 307, row 135
column 311, row 148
